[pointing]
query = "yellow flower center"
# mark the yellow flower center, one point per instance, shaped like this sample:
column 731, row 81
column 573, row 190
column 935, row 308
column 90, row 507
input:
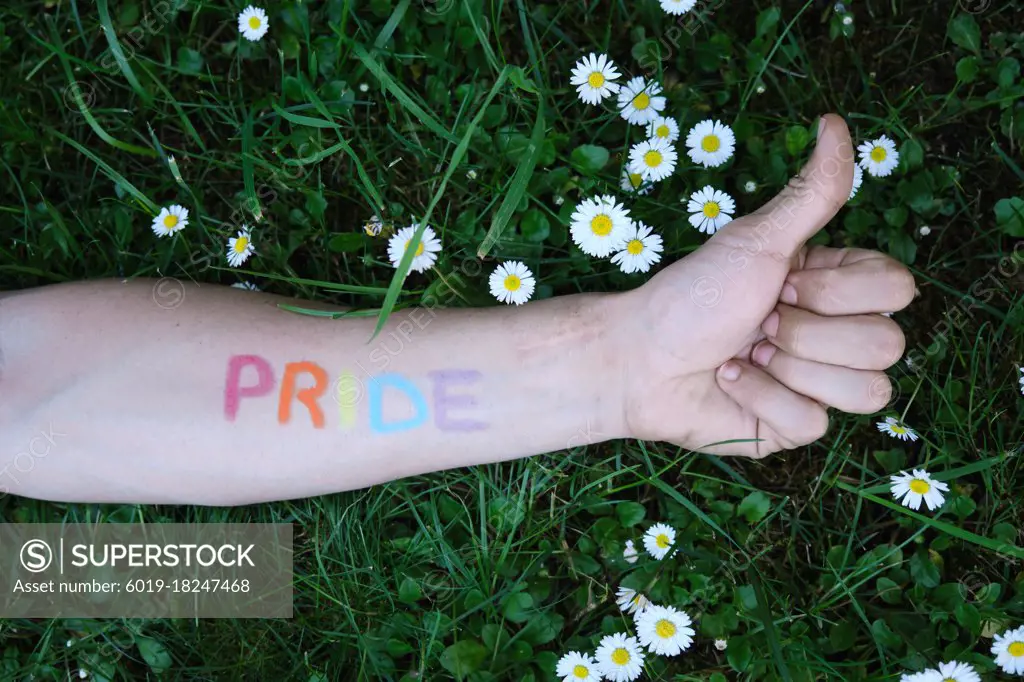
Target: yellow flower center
column 712, row 209
column 596, row 79
column 898, row 429
column 662, row 541
column 636, row 180
column 878, row 154
column 665, row 628
column 920, row 487
column 581, row 671
column 512, row 282
column 711, row 143
column 1016, row 649
column 419, row 249
column 254, row 23
column 641, row 101
column 170, row 221
column 601, row 225
column 662, row 131
column 240, row 244
column 620, row 656
column 652, row 159
column 635, row 247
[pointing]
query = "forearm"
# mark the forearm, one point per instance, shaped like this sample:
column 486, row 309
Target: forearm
column 226, row 399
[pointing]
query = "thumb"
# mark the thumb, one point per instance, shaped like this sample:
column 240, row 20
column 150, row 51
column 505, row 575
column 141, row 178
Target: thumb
column 808, row 202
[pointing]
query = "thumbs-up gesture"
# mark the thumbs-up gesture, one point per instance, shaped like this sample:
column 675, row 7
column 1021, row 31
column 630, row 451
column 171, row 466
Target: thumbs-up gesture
column 756, row 335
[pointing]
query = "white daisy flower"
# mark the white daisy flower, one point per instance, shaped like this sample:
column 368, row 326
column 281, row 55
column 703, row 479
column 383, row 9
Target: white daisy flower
column 634, row 183
column 629, row 553
column 664, row 630
column 910, row 489
column 848, row 20
column 1020, row 381
column 631, row 601
column 426, row 252
column 640, row 102
column 653, row 159
column 858, row 180
column 594, row 77
column 760, row 89
column 677, row 6
column 599, row 226
column 879, row 157
column 923, row 676
column 894, row 427
column 1008, row 649
column 169, row 220
column 663, row 128
column 721, row 644
column 750, row 187
column 240, row 247
column 512, row 282
column 954, row 671
column 253, row 23
column 619, row 658
column 642, row 249
column 247, row 286
column 710, row 143
column 658, row 540
column 924, row 231
column 471, row 174
column 373, row 226
column 559, row 200
column 577, row 667
column 364, row 87
column 710, row 209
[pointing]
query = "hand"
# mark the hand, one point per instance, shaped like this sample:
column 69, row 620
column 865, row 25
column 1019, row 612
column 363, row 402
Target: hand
column 754, row 335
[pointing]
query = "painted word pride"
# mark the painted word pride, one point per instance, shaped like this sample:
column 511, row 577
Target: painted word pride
column 252, row 376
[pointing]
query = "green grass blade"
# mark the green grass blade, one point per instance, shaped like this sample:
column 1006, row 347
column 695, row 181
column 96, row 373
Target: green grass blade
column 248, row 174
column 115, row 49
column 111, row 173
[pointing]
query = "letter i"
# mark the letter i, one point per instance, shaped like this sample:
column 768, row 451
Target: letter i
column 347, row 398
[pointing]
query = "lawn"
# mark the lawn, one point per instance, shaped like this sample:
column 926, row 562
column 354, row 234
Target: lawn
column 460, row 112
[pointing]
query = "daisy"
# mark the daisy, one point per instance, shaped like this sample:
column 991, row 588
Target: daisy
column 1020, row 381
column 658, row 540
column 631, row 601
column 169, row 220
column 1008, row 648
column 858, row 180
column 895, row 428
column 910, row 489
column 630, row 553
column 599, row 226
column 721, row 644
column 664, row 630
column 634, row 183
column 677, row 6
column 653, row 159
column 750, row 187
column 253, row 23
column 619, row 658
column 594, row 77
column 710, row 209
column 512, row 282
column 923, row 676
column 642, row 249
column 240, row 247
column 247, row 286
column 924, row 231
column 710, row 143
column 954, row 671
column 426, row 252
column 663, row 128
column 879, row 157
column 639, row 101
column 577, row 667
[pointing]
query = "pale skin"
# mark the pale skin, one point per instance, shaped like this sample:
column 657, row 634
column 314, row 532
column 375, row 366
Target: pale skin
column 738, row 349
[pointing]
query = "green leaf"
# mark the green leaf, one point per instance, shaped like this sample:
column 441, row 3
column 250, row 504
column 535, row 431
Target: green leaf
column 842, row 635
column 1007, row 72
column 965, row 32
column 521, row 81
column 797, row 138
column 535, row 226
column 963, row 506
column 923, row 571
column 891, row 460
column 902, row 247
column 889, row 590
column 766, row 21
column 1010, row 216
column 189, row 60
column 588, row 159
column 754, row 506
column 739, row 655
column 912, row 154
column 346, row 242
column 967, row 69
column 409, row 591
column 463, row 658
column 630, row 513
column 883, row 634
column 517, row 607
column 154, row 654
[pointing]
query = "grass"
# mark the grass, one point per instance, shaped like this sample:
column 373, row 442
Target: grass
column 800, row 561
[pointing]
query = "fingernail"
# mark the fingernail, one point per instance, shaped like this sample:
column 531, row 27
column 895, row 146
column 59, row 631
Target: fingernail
column 788, row 295
column 771, row 325
column 730, row 371
column 821, row 127
column 763, row 353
